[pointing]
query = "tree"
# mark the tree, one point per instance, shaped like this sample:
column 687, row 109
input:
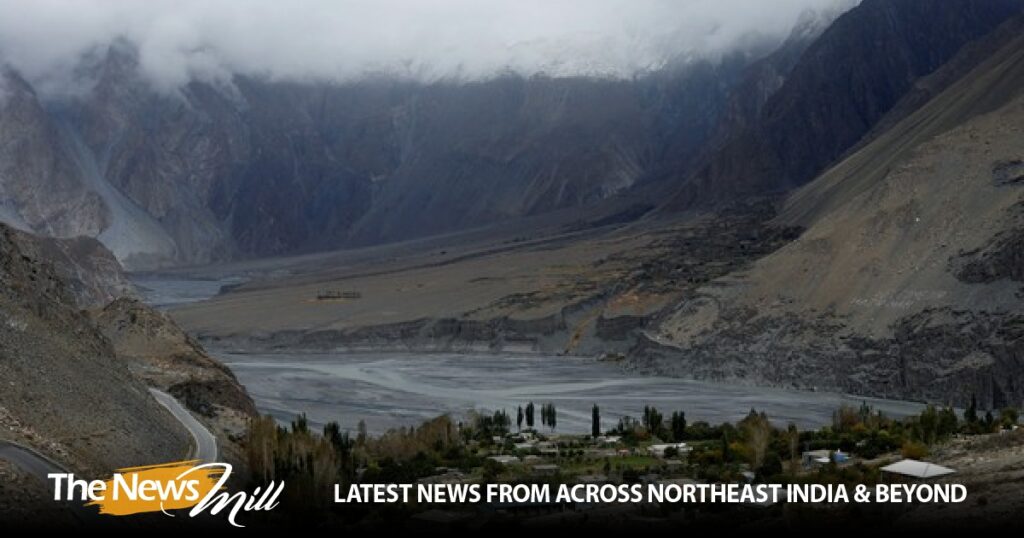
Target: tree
column 948, row 423
column 519, row 418
column 547, row 415
column 300, row 424
column 653, row 421
column 758, row 431
column 595, row 422
column 793, row 440
column 971, row 413
column 929, row 421
column 678, row 424
column 914, row 450
column 361, row 435
column 343, row 446
column 1008, row 417
column 529, row 415
column 502, row 422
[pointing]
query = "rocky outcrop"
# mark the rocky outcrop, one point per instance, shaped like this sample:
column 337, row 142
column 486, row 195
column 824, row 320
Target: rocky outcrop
column 91, row 273
column 41, row 188
column 941, row 356
column 152, row 346
column 65, row 391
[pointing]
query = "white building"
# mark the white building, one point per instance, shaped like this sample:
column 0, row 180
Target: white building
column 658, row 451
column 917, row 469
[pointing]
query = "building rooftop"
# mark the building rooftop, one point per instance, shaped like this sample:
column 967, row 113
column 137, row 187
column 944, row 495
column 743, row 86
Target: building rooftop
column 917, row 469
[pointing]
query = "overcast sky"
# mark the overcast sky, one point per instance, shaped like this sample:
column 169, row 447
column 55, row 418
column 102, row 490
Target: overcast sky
column 424, row 39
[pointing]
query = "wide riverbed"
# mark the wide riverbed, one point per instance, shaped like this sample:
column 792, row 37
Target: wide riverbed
column 390, row 390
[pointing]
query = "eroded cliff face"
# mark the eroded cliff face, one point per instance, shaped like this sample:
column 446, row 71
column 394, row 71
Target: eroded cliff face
column 91, row 273
column 41, row 188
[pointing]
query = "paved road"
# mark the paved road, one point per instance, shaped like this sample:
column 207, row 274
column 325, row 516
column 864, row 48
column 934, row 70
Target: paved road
column 36, row 464
column 205, row 448
column 29, row 460
column 40, row 466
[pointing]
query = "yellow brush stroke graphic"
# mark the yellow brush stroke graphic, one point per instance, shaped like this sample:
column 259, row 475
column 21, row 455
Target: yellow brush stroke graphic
column 157, row 488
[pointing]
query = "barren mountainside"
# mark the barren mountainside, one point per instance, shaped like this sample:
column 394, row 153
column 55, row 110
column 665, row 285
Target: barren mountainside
column 65, row 392
column 840, row 86
column 907, row 280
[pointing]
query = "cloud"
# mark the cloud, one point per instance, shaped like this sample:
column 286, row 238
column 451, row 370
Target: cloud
column 340, row 40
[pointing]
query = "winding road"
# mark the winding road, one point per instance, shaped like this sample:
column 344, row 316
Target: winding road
column 38, row 465
column 205, row 448
column 29, row 460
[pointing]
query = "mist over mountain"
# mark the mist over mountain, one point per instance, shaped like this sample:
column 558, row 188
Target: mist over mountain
column 211, row 152
column 253, row 159
column 341, row 41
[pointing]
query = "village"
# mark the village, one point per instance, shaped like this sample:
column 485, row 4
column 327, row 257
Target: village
column 812, row 468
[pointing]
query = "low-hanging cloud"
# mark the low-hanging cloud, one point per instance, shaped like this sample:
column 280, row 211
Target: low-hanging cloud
column 339, row 40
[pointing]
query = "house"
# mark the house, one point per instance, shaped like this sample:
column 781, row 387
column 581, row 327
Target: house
column 658, row 451
column 921, row 470
column 816, row 457
column 505, row 459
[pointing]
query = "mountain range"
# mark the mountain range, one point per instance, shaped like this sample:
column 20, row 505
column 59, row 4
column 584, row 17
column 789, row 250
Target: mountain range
column 841, row 211
column 258, row 167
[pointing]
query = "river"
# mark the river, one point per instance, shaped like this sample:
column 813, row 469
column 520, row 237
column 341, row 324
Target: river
column 388, row 390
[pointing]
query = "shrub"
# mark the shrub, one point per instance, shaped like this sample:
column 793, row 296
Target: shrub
column 914, row 450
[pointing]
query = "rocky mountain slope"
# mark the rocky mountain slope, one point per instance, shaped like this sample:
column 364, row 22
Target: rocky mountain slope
column 65, row 391
column 835, row 93
column 907, row 278
column 256, row 167
column 263, row 168
column 91, row 273
column 158, row 352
